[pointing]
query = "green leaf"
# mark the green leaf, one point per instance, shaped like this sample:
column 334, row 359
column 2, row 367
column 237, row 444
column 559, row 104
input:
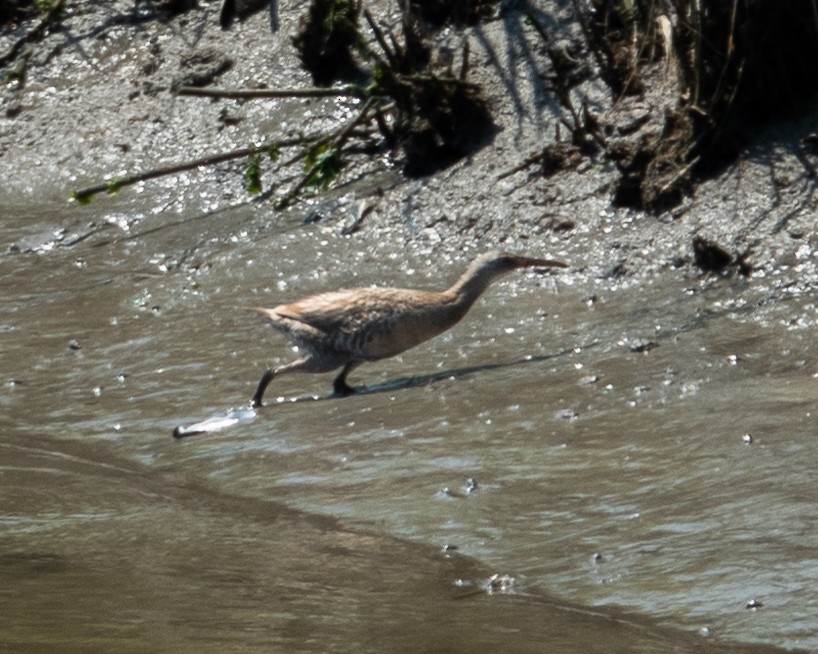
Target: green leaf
column 82, row 198
column 252, row 174
column 323, row 164
column 274, row 152
column 113, row 185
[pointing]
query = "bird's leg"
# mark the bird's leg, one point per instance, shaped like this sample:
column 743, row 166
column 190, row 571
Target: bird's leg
column 228, row 13
column 266, row 378
column 307, row 364
column 340, row 386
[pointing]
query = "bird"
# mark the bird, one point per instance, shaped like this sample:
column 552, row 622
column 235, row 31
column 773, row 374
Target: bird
column 343, row 329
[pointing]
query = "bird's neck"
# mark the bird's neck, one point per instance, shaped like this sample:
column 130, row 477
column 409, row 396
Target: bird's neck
column 472, row 284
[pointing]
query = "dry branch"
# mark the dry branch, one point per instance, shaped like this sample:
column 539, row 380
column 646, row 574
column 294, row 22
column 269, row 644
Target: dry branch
column 114, row 184
column 210, row 92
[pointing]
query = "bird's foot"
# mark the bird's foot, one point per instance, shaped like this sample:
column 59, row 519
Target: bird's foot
column 342, row 389
column 256, row 402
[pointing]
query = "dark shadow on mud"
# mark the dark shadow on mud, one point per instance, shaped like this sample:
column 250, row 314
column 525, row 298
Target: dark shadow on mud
column 419, row 381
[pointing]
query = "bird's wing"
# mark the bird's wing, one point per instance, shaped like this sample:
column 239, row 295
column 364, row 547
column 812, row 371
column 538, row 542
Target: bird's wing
column 346, row 311
column 366, row 323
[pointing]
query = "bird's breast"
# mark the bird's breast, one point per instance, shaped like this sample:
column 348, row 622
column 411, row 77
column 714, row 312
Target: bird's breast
column 406, row 329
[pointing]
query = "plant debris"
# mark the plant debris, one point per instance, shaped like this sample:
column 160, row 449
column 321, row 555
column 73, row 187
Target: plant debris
column 725, row 66
column 326, row 39
column 710, row 257
column 460, row 13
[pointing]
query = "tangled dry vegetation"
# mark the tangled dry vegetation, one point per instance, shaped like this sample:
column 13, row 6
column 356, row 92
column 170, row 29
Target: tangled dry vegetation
column 428, row 117
column 730, row 66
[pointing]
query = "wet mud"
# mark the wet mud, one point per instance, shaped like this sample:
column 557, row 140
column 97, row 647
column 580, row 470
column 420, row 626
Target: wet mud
column 640, row 425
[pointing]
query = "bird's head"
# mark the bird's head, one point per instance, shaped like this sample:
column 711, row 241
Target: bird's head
column 503, row 262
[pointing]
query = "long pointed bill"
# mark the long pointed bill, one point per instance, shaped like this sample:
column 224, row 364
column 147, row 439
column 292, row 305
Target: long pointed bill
column 528, row 262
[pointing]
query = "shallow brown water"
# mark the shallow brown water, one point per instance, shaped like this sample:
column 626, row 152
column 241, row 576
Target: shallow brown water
column 606, row 476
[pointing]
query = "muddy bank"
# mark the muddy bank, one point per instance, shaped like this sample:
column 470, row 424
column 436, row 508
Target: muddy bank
column 97, row 102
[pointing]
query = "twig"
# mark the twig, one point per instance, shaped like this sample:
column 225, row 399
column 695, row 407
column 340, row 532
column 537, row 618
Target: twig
column 269, row 93
column 266, row 195
column 364, row 209
column 464, row 64
column 114, row 184
column 527, row 163
column 346, row 132
column 426, row 77
column 336, row 142
column 680, row 175
column 528, row 12
column 390, row 56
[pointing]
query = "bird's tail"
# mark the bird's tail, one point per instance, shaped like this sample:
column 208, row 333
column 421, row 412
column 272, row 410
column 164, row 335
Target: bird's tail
column 267, row 315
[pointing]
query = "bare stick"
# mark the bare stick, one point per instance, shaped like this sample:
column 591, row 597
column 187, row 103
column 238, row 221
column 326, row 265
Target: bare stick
column 390, row 56
column 114, row 184
column 527, row 163
column 453, row 81
column 464, row 64
column 268, row 93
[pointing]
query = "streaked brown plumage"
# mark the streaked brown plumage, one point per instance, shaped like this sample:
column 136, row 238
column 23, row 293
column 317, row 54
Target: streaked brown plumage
column 346, row 328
